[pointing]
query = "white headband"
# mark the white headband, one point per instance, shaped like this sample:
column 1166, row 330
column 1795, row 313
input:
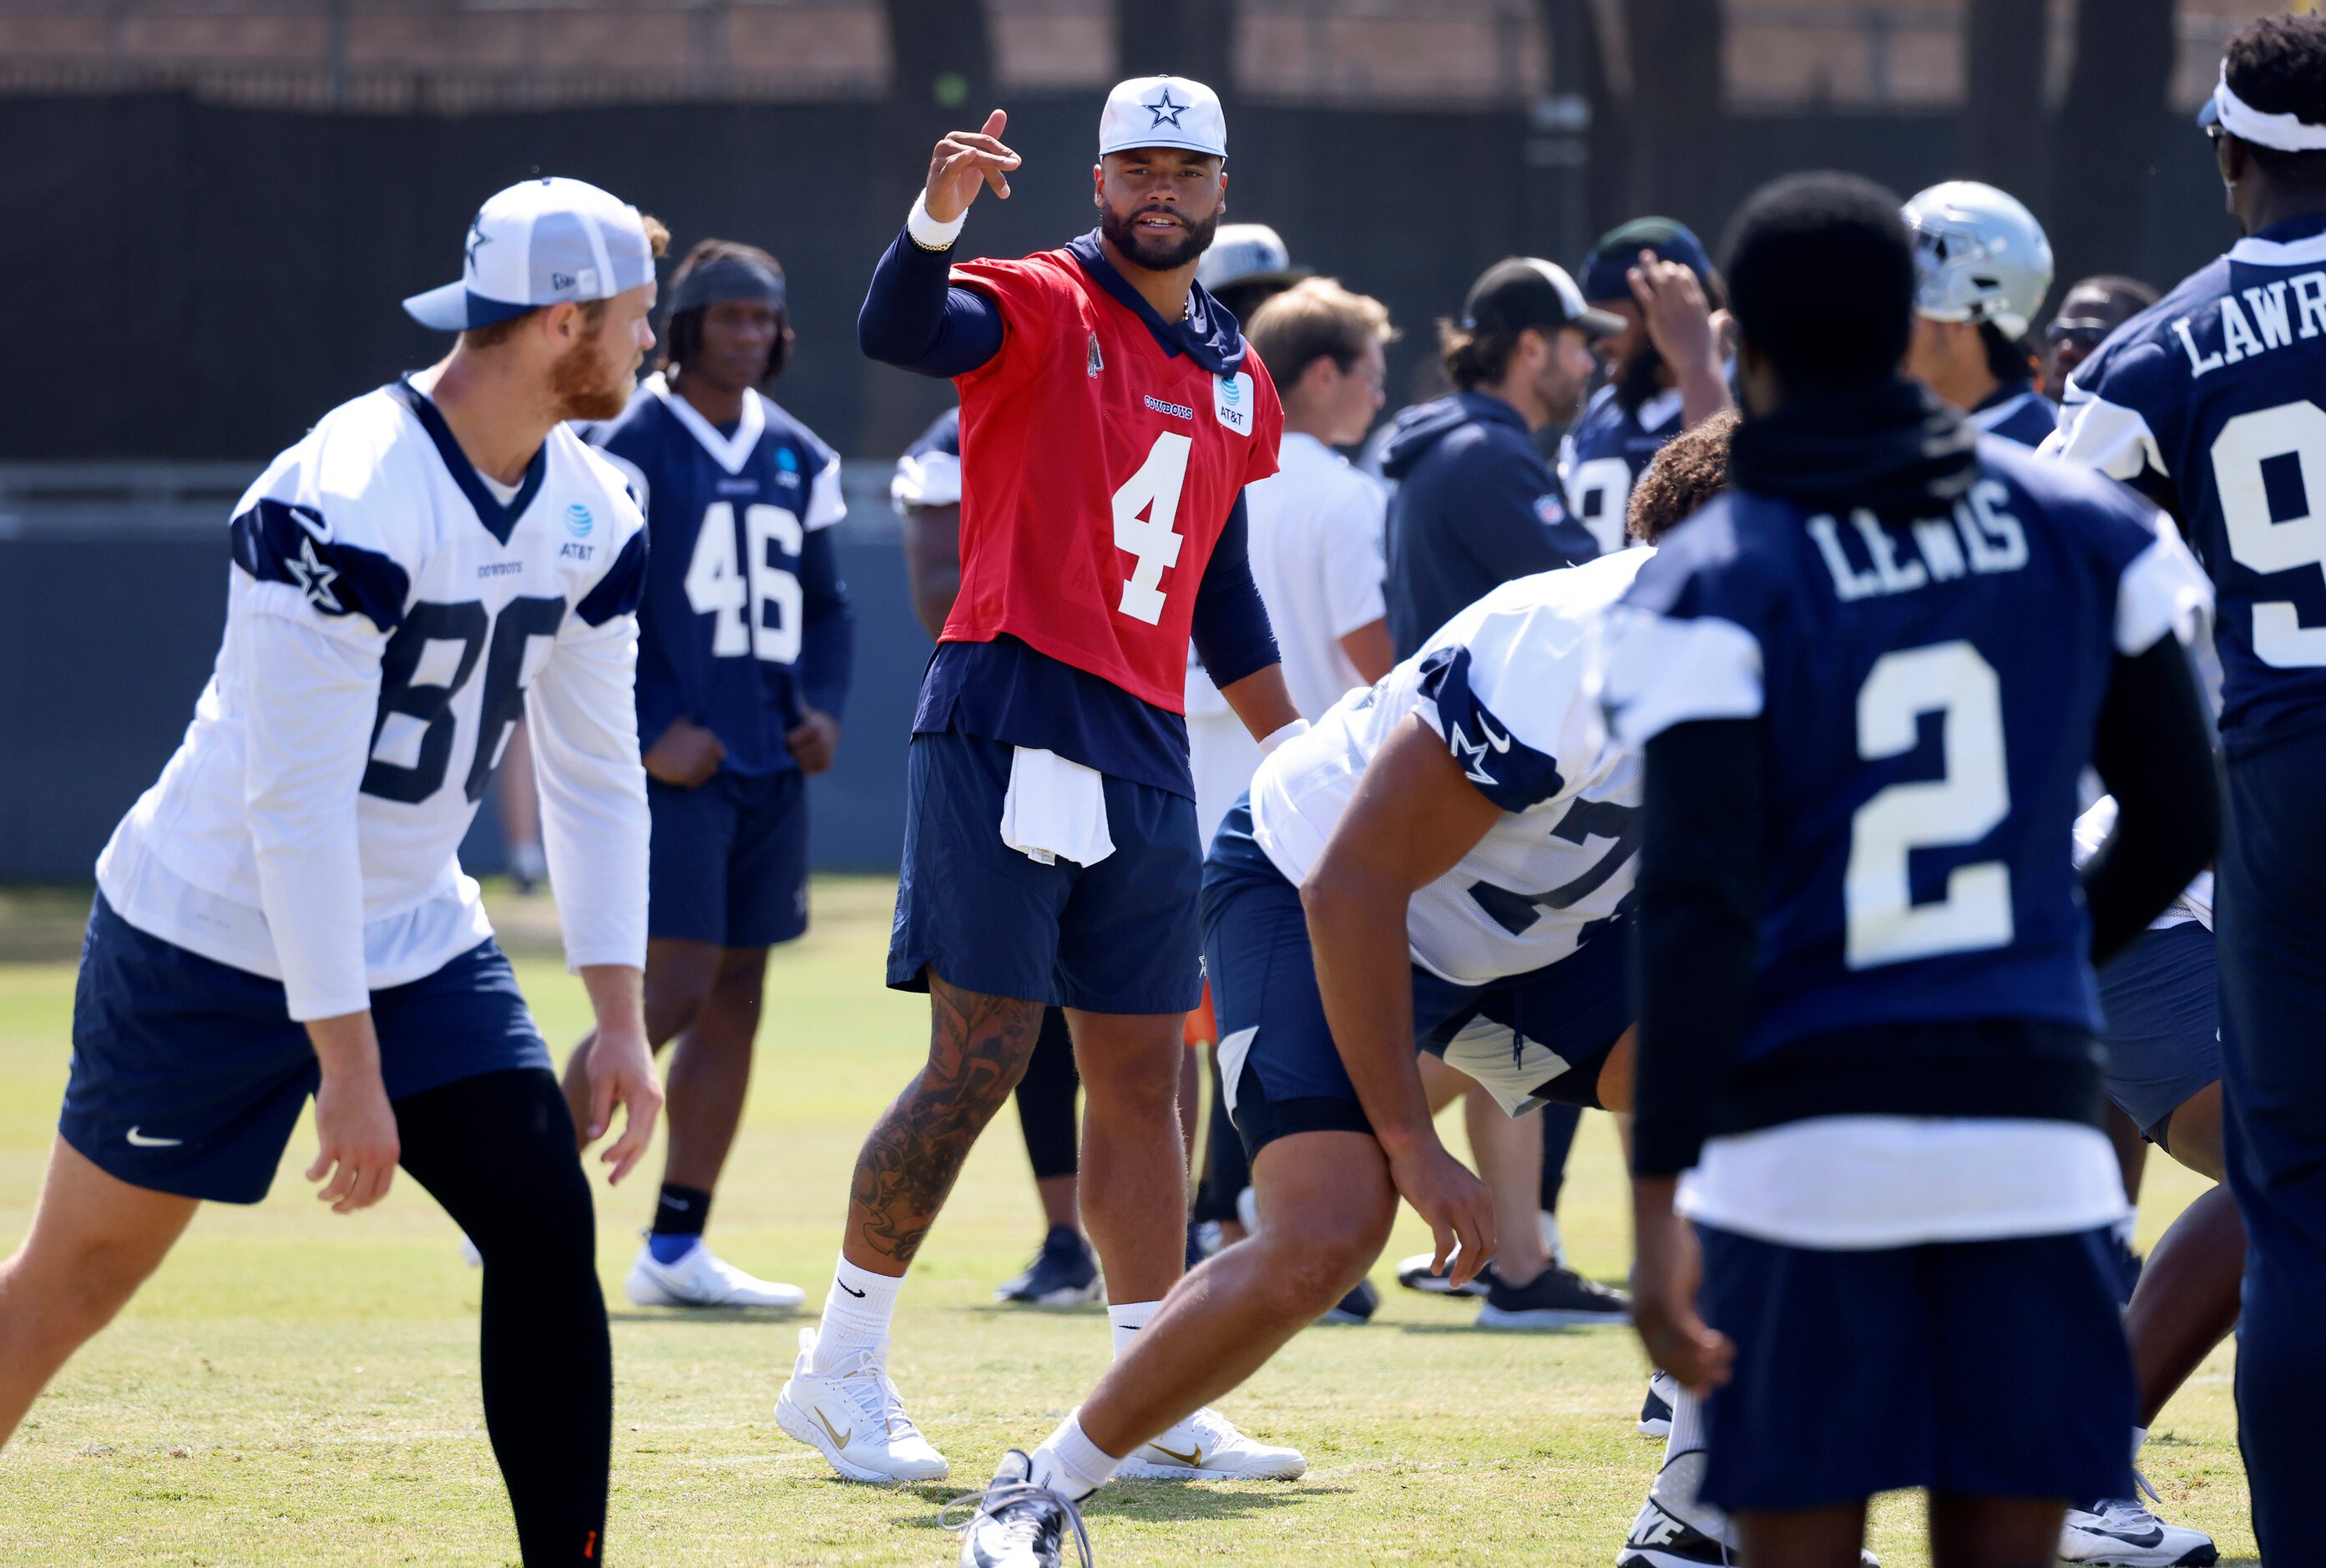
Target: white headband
column 2286, row 132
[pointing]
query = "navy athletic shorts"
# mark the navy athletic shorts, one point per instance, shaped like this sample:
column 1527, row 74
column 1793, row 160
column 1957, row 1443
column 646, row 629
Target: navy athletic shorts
column 1543, row 1035
column 2163, row 1030
column 1996, row 1369
column 188, row 1074
column 1117, row 937
column 727, row 861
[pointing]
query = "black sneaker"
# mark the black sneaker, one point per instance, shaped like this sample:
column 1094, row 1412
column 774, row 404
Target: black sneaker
column 1061, row 1274
column 1655, row 1410
column 1357, row 1307
column 1556, row 1297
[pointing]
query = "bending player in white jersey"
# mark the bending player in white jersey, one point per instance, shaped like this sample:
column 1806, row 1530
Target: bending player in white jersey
column 1442, row 866
column 282, row 913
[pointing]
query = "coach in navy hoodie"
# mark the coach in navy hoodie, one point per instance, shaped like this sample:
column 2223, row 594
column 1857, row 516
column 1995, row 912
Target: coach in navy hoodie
column 1475, row 504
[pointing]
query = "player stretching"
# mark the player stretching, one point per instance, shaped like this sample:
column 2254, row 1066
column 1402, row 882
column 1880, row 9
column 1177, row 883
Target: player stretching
column 1866, row 685
column 2210, row 402
column 283, row 914
column 1110, row 419
column 1440, row 866
column 744, row 646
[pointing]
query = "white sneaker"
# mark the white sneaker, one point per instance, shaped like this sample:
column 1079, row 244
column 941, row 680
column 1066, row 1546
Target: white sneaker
column 2126, row 1534
column 1018, row 1524
column 1206, row 1446
column 854, row 1417
column 1656, row 1409
column 700, row 1278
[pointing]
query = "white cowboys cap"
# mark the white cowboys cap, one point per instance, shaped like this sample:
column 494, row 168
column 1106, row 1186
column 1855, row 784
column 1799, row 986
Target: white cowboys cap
column 536, row 244
column 1162, row 111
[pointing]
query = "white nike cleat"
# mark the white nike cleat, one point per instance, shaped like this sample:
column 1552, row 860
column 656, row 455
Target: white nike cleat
column 1677, row 1529
column 701, row 1278
column 1018, row 1524
column 854, row 1417
column 1206, row 1446
column 2124, row 1535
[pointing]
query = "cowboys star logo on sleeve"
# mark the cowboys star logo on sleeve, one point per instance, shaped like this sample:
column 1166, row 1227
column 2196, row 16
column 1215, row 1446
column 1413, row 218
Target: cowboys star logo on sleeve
column 314, row 578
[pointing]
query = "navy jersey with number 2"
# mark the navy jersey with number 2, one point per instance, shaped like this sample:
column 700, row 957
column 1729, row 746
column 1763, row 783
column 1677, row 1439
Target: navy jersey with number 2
column 1929, row 693
column 745, row 619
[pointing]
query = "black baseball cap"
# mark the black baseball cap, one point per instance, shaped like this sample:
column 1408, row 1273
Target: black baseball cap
column 1519, row 292
column 1607, row 268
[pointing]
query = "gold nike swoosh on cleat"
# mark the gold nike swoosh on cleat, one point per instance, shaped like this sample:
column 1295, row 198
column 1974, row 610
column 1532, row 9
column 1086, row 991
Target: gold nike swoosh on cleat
column 1193, row 1461
column 839, row 1438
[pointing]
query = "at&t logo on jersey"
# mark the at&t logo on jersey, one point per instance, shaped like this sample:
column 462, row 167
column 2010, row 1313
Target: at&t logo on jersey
column 1232, row 400
column 577, row 521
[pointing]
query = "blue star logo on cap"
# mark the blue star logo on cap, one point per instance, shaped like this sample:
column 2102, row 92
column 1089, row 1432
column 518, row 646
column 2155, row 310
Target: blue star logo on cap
column 1165, row 112
column 477, row 237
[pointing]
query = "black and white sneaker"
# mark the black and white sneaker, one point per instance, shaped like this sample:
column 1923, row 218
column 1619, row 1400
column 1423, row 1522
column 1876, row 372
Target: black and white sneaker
column 1062, row 1272
column 1556, row 1297
column 1655, row 1410
column 1357, row 1307
column 1661, row 1538
column 2122, row 1533
column 1413, row 1274
column 1018, row 1524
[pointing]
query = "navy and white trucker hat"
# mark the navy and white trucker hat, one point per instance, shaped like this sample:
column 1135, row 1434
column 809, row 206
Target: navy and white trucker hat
column 535, row 244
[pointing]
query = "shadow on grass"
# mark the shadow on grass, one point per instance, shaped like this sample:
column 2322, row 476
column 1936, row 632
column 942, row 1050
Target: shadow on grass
column 757, row 1317
column 1157, row 1500
column 1558, row 1328
column 1035, row 1310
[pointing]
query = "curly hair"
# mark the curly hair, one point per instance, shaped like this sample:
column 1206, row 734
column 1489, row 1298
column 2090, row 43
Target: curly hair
column 2278, row 65
column 1690, row 470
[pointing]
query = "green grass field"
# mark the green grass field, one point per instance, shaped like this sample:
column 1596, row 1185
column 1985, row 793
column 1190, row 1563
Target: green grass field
column 300, row 1388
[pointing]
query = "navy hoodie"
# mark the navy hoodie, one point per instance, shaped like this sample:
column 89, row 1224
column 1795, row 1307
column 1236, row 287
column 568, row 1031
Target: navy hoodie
column 1476, row 506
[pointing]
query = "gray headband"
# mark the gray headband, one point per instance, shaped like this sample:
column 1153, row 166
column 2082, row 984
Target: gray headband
column 730, row 277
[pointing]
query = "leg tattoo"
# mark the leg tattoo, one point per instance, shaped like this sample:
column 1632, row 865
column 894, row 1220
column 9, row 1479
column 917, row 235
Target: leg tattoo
column 978, row 1049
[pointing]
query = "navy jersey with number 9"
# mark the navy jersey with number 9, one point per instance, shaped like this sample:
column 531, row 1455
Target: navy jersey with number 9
column 1930, row 694
column 2213, row 401
column 745, row 622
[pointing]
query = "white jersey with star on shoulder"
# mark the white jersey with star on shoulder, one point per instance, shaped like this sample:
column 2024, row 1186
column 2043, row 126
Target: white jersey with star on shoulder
column 1503, row 684
column 390, row 618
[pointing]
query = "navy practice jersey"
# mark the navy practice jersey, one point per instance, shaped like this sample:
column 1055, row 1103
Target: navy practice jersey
column 2016, row 412
column 746, row 622
column 2212, row 401
column 1604, row 453
column 1929, row 695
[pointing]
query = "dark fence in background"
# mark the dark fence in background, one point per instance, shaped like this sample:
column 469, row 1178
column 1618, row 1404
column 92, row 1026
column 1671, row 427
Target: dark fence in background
column 195, row 281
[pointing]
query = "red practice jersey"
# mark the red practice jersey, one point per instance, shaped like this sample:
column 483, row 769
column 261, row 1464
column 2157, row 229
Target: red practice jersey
column 1097, row 472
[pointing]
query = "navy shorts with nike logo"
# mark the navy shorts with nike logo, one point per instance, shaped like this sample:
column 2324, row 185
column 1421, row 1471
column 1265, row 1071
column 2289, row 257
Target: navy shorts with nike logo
column 189, row 1074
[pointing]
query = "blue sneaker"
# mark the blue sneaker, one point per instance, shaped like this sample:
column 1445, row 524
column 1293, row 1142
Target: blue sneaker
column 1062, row 1274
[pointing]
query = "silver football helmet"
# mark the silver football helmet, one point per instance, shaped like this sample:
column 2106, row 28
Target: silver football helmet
column 1979, row 256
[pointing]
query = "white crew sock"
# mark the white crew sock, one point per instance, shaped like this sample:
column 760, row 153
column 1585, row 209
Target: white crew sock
column 856, row 1314
column 1683, row 1473
column 2139, row 1436
column 1127, row 1319
column 1070, row 1464
column 1687, row 1424
column 1554, row 1244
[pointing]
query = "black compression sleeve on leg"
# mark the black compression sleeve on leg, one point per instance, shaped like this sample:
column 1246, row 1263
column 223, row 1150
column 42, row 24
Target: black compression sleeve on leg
column 1046, row 1099
column 1226, row 1171
column 497, row 1150
column 1558, row 1124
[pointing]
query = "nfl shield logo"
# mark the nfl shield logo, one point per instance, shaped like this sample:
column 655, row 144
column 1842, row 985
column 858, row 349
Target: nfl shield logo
column 1094, row 362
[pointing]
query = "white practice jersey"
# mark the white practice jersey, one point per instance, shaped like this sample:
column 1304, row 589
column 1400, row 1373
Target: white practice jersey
column 1502, row 684
column 390, row 618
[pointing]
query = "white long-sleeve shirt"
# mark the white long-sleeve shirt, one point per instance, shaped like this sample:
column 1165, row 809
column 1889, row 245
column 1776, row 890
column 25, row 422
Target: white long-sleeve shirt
column 388, row 618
